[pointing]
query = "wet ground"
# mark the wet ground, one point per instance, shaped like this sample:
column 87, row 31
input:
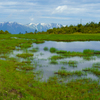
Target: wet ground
column 42, row 61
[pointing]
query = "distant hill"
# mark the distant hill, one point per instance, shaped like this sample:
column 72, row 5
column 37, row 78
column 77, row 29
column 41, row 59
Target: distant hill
column 16, row 28
column 43, row 27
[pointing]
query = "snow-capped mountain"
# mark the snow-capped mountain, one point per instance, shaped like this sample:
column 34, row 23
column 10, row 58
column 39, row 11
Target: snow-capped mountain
column 43, row 26
column 16, row 28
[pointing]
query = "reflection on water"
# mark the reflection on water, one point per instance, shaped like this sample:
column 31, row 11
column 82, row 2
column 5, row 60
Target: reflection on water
column 89, row 75
column 43, row 63
column 70, row 46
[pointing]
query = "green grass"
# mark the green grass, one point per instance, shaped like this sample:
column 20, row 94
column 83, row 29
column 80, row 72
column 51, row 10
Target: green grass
column 53, row 50
column 87, row 54
column 63, row 73
column 21, row 85
column 88, row 58
column 25, row 55
column 72, row 63
column 64, row 62
column 26, row 67
column 53, row 62
column 4, row 56
column 88, row 51
column 12, row 59
column 95, row 71
column 11, row 81
column 41, row 53
column 60, row 37
column 24, row 46
column 28, row 62
column 68, row 53
column 34, row 50
column 55, row 57
column 67, row 73
column 63, row 67
column 96, row 65
column 61, row 52
column 20, row 63
column 45, row 48
column 12, row 87
column 39, row 41
column 86, row 69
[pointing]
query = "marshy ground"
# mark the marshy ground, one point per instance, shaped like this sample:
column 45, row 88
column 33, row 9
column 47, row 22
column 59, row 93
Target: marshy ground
column 35, row 69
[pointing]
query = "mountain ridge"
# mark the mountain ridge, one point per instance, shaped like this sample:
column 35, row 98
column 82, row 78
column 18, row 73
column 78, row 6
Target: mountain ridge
column 16, row 28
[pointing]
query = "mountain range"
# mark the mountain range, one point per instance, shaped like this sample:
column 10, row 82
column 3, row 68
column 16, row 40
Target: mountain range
column 16, row 28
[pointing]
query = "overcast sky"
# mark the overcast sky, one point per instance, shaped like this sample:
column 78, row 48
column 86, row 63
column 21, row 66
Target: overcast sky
column 65, row 12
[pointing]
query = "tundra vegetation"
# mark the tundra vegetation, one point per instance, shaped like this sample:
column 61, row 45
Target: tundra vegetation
column 18, row 79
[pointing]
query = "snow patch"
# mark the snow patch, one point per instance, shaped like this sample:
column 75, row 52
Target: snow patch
column 43, row 24
column 30, row 23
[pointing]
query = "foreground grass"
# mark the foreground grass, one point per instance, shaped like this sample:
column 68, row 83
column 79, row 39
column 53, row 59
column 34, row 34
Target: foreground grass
column 21, row 85
column 18, row 85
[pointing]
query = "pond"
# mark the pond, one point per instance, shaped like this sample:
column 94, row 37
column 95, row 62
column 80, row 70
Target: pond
column 70, row 46
column 47, row 69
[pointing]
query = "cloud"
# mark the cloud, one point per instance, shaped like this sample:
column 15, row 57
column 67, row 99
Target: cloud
column 47, row 11
column 81, row 9
column 31, row 19
column 13, row 3
column 16, row 7
column 8, row 3
column 55, row 17
column 60, row 9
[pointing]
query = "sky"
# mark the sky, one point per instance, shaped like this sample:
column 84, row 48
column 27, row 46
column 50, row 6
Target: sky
column 65, row 12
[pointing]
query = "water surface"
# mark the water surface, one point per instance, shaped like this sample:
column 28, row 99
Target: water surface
column 43, row 61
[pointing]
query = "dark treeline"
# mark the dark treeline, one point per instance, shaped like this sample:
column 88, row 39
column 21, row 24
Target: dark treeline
column 2, row 32
column 87, row 28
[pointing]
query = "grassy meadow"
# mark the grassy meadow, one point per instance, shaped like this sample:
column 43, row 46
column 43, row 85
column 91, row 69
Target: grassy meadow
column 62, row 37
